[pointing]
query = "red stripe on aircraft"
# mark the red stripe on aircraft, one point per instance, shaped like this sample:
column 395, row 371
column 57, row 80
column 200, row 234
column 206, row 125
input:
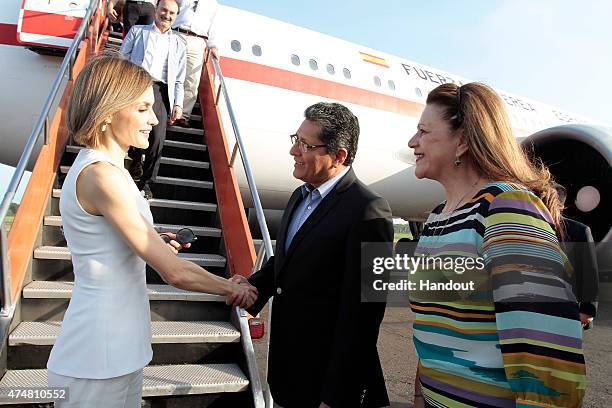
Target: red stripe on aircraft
column 49, row 24
column 8, row 34
column 280, row 78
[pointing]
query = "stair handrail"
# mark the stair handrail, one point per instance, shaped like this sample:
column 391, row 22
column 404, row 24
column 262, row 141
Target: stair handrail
column 40, row 128
column 261, row 219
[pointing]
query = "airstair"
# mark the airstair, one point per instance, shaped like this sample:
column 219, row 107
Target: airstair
column 203, row 353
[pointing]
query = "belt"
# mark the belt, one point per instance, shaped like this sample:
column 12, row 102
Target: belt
column 189, row 32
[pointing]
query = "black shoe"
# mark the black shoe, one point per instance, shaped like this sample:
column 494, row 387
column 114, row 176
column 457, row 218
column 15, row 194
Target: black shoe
column 182, row 122
column 136, row 169
column 146, row 191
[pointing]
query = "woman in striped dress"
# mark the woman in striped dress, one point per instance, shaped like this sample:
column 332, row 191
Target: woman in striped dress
column 515, row 340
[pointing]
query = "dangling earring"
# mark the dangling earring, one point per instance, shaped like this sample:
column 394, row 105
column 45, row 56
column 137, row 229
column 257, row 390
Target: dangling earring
column 103, row 128
column 457, row 162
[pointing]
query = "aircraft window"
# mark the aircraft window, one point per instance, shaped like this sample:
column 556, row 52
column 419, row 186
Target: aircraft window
column 236, row 45
column 391, row 85
column 347, row 73
column 295, row 60
column 313, row 64
column 256, row 50
column 377, row 81
column 331, row 69
column 418, row 92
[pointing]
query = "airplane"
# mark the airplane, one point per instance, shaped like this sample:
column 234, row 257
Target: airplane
column 272, row 78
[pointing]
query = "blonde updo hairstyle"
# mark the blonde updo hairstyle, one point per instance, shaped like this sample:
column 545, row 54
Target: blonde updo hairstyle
column 107, row 84
column 492, row 147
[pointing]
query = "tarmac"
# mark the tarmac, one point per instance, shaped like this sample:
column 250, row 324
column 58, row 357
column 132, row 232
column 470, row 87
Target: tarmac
column 399, row 361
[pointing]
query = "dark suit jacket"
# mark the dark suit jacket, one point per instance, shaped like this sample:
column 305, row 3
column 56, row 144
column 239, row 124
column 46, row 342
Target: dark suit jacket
column 580, row 250
column 323, row 338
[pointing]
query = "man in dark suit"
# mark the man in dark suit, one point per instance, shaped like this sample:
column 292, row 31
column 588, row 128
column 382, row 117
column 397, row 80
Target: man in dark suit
column 579, row 247
column 323, row 335
column 580, row 250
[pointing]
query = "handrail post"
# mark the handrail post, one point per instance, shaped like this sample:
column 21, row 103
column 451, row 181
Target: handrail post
column 7, row 298
column 47, row 130
column 234, row 152
column 71, row 67
column 219, row 90
column 207, row 55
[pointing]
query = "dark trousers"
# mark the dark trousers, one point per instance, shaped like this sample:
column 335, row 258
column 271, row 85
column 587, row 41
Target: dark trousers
column 137, row 13
column 152, row 154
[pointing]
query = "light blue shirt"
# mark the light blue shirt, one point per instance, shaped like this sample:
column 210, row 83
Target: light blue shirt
column 311, row 200
column 173, row 64
column 155, row 59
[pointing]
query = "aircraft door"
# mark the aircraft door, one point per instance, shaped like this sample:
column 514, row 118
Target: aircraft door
column 50, row 23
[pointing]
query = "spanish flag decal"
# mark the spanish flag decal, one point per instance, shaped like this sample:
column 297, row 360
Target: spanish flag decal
column 373, row 59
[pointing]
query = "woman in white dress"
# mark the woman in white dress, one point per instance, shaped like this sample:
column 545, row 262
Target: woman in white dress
column 105, row 339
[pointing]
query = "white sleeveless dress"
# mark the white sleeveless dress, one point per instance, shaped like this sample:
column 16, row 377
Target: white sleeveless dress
column 106, row 330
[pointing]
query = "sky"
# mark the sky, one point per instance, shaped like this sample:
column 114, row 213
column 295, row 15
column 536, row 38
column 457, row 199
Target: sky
column 554, row 51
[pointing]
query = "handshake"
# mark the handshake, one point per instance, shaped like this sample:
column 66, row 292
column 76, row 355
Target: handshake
column 241, row 292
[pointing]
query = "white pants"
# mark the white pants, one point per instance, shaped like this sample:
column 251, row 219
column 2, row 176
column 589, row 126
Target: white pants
column 117, row 392
column 195, row 59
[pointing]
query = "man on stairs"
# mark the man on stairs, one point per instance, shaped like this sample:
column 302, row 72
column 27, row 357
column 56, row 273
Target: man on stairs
column 163, row 54
column 194, row 24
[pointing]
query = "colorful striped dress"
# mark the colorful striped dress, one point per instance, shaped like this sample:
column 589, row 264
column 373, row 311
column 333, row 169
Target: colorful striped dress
column 516, row 341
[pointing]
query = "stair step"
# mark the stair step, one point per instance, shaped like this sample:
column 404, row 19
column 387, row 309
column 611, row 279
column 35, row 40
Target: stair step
column 183, row 205
column 45, row 333
column 183, row 162
column 64, row 169
column 57, row 192
column 63, row 253
column 53, row 220
column 191, row 131
column 199, row 231
column 258, row 242
column 183, row 182
column 74, row 148
column 211, row 260
column 196, row 117
column 63, row 290
column 159, row 380
column 56, row 221
column 185, row 145
column 114, row 40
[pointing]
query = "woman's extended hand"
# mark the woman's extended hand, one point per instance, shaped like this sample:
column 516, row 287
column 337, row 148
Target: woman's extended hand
column 174, row 246
column 241, row 292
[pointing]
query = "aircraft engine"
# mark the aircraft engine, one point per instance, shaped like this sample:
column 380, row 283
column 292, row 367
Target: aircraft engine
column 580, row 158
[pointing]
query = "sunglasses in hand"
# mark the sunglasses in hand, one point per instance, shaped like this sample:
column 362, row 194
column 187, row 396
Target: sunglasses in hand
column 184, row 236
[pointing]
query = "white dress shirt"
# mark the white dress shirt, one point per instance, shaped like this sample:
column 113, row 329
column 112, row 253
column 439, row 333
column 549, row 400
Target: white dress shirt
column 197, row 16
column 155, row 60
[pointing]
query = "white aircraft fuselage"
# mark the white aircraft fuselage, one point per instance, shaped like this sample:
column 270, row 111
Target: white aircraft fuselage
column 273, row 71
